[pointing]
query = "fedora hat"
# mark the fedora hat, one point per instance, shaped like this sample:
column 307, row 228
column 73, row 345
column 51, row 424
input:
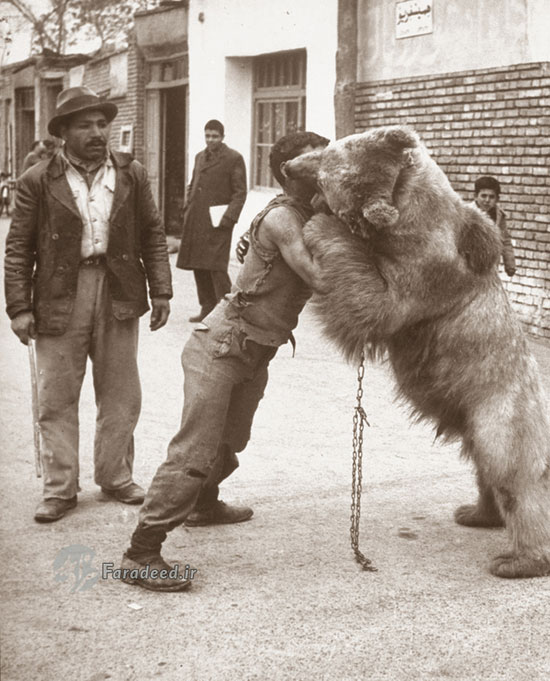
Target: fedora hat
column 74, row 100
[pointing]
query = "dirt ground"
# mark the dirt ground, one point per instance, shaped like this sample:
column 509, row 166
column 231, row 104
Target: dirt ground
column 279, row 597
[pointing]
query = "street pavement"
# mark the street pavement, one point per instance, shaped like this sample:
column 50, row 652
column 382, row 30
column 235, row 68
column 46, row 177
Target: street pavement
column 279, row 597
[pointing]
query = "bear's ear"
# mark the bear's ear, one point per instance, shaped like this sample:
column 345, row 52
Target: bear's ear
column 305, row 166
column 400, row 138
column 479, row 242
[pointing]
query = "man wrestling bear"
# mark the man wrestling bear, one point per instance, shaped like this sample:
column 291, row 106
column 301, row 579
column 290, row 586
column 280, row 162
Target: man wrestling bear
column 404, row 267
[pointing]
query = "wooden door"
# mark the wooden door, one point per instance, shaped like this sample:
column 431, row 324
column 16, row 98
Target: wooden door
column 153, row 137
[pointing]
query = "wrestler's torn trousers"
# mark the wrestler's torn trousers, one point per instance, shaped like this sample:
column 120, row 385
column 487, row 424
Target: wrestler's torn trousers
column 225, row 376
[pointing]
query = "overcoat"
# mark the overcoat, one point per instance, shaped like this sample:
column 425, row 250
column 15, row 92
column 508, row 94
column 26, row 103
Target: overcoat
column 218, row 179
column 44, row 241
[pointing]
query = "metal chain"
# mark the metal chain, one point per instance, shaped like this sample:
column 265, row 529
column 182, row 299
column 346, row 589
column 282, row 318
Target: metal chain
column 359, row 420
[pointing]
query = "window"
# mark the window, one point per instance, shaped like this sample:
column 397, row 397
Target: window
column 24, row 124
column 53, row 88
column 118, row 75
column 126, row 140
column 279, row 106
column 24, row 99
column 167, row 71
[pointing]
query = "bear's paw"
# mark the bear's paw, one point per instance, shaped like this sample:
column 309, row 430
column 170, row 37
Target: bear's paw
column 516, row 566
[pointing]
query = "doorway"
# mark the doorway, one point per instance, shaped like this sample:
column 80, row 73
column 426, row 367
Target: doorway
column 24, row 124
column 174, row 156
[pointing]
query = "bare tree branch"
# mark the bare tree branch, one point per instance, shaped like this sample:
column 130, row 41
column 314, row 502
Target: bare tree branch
column 68, row 20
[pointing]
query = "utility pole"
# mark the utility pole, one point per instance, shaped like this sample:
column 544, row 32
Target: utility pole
column 346, row 68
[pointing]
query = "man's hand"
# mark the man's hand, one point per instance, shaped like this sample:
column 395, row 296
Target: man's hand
column 23, row 327
column 242, row 247
column 159, row 313
column 510, row 271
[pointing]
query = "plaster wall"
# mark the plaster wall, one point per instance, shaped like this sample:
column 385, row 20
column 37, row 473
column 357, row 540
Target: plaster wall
column 223, row 38
column 170, row 23
column 467, row 35
column 237, row 113
column 23, row 78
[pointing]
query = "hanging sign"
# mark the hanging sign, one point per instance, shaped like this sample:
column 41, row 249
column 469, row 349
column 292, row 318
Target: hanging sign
column 413, row 17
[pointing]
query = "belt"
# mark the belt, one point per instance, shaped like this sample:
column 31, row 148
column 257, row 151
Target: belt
column 95, row 260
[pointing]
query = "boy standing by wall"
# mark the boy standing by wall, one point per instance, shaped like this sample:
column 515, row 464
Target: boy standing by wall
column 486, row 196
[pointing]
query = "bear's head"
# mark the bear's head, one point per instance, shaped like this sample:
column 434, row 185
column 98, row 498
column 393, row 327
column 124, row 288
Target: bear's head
column 357, row 174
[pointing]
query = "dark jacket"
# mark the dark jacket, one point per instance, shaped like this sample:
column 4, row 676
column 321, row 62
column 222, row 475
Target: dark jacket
column 216, row 181
column 44, row 241
column 31, row 159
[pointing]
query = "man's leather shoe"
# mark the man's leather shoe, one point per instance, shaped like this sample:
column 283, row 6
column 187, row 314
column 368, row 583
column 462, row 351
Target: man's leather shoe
column 219, row 514
column 49, row 510
column 154, row 574
column 131, row 494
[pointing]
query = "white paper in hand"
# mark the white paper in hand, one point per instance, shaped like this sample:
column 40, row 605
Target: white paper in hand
column 216, row 214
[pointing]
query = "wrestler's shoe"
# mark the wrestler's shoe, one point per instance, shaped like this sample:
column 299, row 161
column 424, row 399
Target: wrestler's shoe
column 219, row 514
column 153, row 573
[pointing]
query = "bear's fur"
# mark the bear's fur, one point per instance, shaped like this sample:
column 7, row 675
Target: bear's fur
column 410, row 269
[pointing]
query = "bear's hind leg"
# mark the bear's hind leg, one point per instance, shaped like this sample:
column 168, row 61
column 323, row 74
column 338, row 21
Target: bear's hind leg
column 528, row 521
column 483, row 514
column 513, row 457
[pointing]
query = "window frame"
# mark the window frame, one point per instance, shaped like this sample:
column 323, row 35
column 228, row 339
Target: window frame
column 270, row 71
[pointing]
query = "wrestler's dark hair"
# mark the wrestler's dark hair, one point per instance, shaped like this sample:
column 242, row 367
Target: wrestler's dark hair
column 289, row 147
column 215, row 125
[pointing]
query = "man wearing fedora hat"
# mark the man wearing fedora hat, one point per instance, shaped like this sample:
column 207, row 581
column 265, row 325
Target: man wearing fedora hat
column 85, row 241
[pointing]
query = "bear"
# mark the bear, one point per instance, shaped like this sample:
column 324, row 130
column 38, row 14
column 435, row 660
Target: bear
column 409, row 270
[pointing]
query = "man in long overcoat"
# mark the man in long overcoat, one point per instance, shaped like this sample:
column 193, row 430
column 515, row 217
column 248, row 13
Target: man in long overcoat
column 219, row 179
column 85, row 242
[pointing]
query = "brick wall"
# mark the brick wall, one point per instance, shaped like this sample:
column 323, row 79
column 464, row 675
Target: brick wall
column 130, row 106
column 486, row 122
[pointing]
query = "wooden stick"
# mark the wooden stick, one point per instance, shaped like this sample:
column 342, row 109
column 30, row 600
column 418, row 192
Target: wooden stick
column 36, row 423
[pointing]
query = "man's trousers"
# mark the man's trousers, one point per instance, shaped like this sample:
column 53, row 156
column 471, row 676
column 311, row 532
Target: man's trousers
column 212, row 285
column 224, row 380
column 61, row 362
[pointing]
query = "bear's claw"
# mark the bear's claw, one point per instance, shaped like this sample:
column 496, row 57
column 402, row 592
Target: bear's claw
column 514, row 566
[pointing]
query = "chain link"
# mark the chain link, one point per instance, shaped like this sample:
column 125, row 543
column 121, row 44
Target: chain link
column 359, row 420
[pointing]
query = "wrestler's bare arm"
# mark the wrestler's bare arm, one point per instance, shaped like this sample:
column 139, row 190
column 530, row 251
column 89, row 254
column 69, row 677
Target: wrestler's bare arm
column 283, row 229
